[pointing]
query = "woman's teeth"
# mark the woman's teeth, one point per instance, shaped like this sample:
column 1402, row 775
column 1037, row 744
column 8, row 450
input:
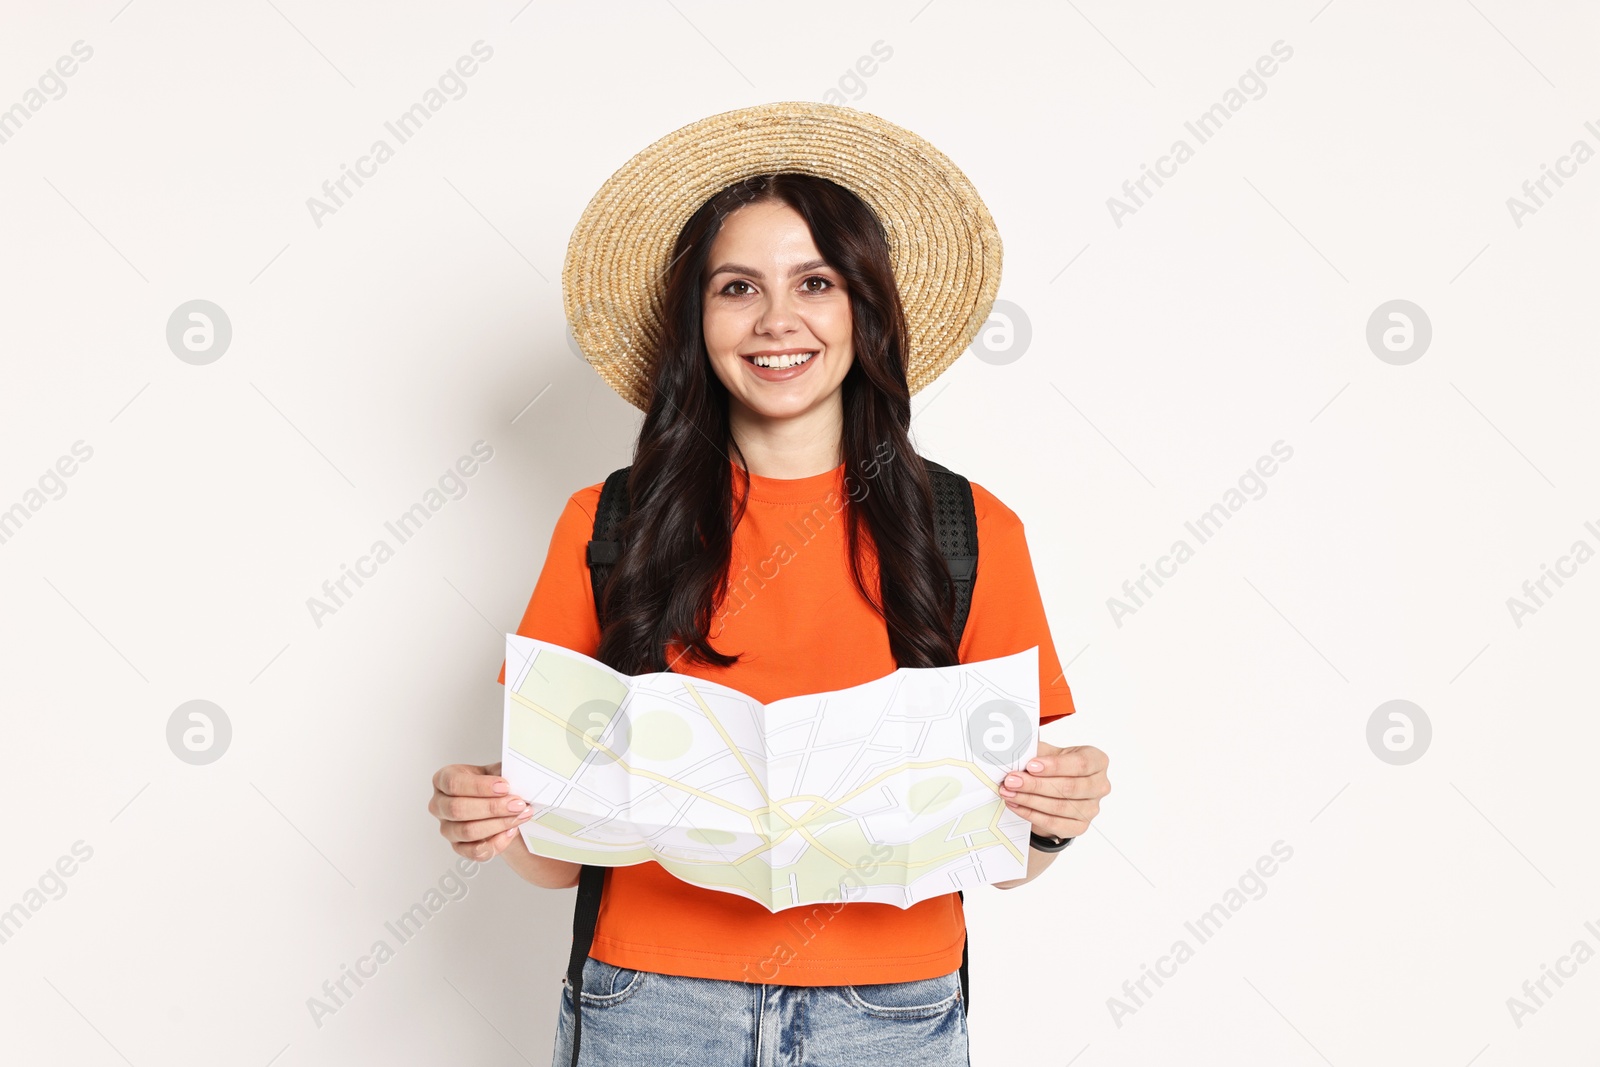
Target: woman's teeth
column 779, row 362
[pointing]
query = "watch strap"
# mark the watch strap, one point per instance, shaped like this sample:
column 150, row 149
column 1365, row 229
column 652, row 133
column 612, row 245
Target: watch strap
column 1048, row 844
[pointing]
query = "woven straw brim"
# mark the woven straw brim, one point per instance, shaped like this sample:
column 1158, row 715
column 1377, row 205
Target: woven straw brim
column 942, row 241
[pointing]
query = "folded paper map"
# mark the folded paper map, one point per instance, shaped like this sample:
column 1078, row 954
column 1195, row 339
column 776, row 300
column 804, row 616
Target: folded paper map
column 886, row 791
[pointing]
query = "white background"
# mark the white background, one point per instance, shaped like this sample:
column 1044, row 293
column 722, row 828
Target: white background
column 1166, row 354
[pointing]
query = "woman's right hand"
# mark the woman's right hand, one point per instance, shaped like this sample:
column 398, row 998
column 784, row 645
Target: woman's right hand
column 477, row 813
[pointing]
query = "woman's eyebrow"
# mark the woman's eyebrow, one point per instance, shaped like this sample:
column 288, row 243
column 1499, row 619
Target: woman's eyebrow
column 736, row 268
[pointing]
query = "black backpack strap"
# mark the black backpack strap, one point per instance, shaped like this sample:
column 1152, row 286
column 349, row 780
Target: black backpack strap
column 603, row 551
column 591, row 881
column 956, row 525
column 964, row 939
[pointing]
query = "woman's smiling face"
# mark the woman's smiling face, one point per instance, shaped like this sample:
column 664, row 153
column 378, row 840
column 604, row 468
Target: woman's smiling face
column 769, row 291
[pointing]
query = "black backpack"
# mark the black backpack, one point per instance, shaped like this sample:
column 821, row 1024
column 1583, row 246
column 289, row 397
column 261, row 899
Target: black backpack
column 957, row 526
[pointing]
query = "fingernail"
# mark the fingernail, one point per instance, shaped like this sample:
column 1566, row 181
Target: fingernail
column 516, row 804
column 526, row 814
column 1035, row 766
column 1013, row 781
column 502, row 787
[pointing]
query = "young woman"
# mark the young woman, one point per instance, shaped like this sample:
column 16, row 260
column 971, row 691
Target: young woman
column 781, row 541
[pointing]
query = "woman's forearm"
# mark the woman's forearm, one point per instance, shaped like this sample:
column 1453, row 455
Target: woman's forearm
column 542, row 871
column 1037, row 862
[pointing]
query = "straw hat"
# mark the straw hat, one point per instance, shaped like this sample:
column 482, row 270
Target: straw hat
column 942, row 242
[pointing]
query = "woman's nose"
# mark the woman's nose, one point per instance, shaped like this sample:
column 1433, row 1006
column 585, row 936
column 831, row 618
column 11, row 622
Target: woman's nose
column 777, row 316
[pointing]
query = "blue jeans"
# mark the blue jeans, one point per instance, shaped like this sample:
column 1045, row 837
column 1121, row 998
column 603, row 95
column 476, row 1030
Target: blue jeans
column 644, row 1019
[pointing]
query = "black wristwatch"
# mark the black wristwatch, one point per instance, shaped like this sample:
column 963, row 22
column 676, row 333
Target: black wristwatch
column 1048, row 844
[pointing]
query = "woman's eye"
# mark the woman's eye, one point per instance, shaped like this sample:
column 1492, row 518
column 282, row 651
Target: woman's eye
column 824, row 287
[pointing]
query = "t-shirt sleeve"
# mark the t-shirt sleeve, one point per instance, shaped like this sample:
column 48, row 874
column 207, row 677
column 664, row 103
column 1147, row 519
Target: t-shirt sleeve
column 1007, row 613
column 561, row 609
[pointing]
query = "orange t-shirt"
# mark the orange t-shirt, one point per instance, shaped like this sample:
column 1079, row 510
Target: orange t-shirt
column 799, row 624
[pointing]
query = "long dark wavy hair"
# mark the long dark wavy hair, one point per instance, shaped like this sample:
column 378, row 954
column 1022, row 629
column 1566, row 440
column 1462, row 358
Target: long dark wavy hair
column 678, row 538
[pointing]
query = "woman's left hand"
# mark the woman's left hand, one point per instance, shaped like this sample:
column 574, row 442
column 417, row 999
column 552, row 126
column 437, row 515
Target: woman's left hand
column 1059, row 790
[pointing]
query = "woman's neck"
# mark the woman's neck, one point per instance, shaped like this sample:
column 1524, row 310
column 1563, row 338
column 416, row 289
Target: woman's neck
column 796, row 447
